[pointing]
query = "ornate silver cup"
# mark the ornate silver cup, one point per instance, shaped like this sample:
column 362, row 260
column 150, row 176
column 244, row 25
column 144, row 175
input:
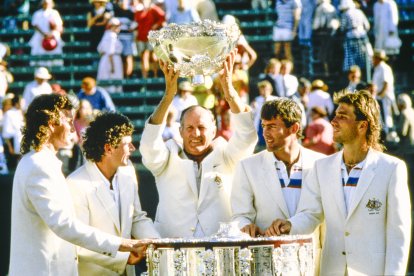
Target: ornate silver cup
column 197, row 49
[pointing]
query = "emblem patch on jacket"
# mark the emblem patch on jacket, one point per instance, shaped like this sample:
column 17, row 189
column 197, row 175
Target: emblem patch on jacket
column 218, row 180
column 373, row 206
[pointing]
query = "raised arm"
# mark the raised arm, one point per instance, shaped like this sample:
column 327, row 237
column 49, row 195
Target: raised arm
column 171, row 76
column 230, row 94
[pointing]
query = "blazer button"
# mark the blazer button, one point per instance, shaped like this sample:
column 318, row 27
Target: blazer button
column 109, row 254
column 104, row 253
column 192, row 229
column 347, row 234
column 343, row 253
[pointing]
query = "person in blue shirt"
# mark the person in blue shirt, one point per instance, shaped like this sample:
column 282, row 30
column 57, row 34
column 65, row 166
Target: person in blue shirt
column 97, row 96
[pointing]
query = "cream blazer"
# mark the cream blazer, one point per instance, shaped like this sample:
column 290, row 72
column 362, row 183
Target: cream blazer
column 257, row 195
column 43, row 224
column 180, row 204
column 373, row 237
column 95, row 206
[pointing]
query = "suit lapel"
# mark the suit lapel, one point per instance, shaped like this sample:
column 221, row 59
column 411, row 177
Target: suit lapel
column 272, row 183
column 125, row 193
column 334, row 180
column 104, row 195
column 365, row 180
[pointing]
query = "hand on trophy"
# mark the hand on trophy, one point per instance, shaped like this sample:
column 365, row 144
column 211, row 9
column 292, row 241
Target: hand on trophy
column 171, row 77
column 278, row 227
column 135, row 246
column 135, row 258
column 253, row 230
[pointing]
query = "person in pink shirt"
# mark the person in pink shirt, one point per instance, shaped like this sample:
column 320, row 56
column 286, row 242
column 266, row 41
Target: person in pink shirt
column 319, row 133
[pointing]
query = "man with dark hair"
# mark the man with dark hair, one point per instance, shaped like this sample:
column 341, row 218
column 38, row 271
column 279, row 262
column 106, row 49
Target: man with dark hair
column 268, row 184
column 43, row 223
column 194, row 179
column 105, row 193
column 361, row 193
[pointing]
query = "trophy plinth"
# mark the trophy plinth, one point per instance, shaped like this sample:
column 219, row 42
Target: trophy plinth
column 197, row 49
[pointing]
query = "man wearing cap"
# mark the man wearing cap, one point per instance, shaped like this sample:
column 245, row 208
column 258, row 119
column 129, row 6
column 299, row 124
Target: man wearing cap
column 37, row 87
column 194, row 178
column 184, row 98
column 383, row 78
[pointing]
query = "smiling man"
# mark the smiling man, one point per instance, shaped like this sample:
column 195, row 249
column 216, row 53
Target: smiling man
column 194, row 179
column 105, row 193
column 361, row 193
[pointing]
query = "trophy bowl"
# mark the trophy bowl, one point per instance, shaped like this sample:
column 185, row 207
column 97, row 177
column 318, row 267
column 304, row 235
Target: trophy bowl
column 197, row 49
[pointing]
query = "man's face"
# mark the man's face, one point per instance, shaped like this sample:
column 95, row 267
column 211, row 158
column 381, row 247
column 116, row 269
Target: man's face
column 275, row 133
column 344, row 124
column 63, row 132
column 354, row 77
column 87, row 88
column 120, row 154
column 198, row 131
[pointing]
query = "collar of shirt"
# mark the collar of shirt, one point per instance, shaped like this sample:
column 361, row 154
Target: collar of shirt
column 106, row 181
column 354, row 172
column 282, row 170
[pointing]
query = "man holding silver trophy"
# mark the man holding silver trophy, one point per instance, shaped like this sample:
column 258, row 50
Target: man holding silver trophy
column 194, row 179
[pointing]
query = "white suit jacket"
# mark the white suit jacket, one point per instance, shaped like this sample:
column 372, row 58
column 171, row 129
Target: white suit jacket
column 257, row 196
column 180, row 205
column 43, row 224
column 373, row 238
column 95, row 206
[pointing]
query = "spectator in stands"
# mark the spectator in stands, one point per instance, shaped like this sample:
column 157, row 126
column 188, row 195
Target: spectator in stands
column 305, row 36
column 383, row 78
column 260, row 4
column 386, row 26
column 405, row 128
column 184, row 98
column 354, row 77
column 13, row 9
column 110, row 65
column 105, row 193
column 325, row 25
column 247, row 54
column 124, row 11
column 357, row 48
column 207, row 10
column 39, row 86
column 287, row 84
column 194, row 179
column 284, row 31
column 265, row 94
column 319, row 97
column 47, row 24
column 319, row 132
column 271, row 71
column 5, row 76
column 83, row 117
column 172, row 127
column 13, row 122
column 184, row 13
column 204, row 94
column 149, row 17
column 97, row 96
column 97, row 18
column 225, row 129
column 304, row 90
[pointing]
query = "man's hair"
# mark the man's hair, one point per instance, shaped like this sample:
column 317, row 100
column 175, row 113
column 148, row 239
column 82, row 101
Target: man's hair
column 43, row 110
column 366, row 108
column 286, row 109
column 107, row 128
column 190, row 108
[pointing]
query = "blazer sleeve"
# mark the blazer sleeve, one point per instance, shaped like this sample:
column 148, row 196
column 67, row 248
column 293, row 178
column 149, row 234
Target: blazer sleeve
column 243, row 140
column 310, row 212
column 153, row 149
column 81, row 204
column 398, row 232
column 242, row 206
column 142, row 226
column 49, row 203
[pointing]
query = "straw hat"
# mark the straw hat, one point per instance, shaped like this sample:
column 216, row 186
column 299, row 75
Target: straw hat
column 319, row 84
column 380, row 54
column 42, row 73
